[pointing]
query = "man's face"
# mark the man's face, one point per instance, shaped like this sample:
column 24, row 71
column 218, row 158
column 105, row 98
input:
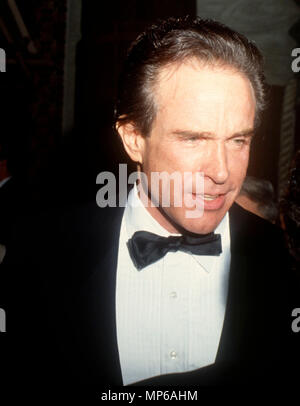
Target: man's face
column 204, row 123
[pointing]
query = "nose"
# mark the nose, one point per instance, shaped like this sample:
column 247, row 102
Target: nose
column 216, row 167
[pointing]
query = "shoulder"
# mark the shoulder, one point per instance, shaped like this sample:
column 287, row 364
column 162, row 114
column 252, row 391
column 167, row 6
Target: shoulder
column 251, row 231
column 59, row 248
column 61, row 232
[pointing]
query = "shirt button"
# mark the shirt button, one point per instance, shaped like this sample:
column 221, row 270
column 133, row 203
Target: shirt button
column 173, row 354
column 173, row 295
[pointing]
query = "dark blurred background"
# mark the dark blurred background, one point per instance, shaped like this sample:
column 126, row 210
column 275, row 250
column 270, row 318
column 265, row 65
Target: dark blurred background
column 63, row 58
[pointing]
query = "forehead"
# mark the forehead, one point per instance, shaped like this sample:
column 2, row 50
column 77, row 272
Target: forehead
column 192, row 92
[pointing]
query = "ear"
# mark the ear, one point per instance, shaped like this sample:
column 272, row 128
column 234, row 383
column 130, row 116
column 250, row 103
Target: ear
column 132, row 140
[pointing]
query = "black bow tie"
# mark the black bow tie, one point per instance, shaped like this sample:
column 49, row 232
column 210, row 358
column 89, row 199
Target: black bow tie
column 146, row 248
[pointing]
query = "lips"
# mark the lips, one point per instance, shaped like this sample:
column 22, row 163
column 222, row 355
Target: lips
column 210, row 197
column 209, row 201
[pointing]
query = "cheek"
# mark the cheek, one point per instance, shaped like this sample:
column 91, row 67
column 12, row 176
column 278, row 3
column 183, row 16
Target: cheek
column 239, row 165
column 165, row 157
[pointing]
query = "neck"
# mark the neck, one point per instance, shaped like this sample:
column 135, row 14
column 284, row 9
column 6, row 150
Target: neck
column 157, row 213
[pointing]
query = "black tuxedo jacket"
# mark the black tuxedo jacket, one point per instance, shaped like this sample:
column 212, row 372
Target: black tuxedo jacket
column 59, row 296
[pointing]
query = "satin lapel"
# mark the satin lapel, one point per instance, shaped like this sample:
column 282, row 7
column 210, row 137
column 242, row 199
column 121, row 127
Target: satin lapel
column 249, row 342
column 234, row 333
column 93, row 304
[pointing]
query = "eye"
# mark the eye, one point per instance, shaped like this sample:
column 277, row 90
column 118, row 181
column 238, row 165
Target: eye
column 193, row 138
column 239, row 142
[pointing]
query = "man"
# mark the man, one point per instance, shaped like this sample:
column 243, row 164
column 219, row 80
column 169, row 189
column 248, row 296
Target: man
column 147, row 294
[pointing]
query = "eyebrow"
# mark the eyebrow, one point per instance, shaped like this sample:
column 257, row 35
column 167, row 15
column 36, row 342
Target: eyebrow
column 249, row 132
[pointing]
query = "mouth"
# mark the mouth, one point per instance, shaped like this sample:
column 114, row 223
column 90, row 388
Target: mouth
column 209, row 201
column 209, row 197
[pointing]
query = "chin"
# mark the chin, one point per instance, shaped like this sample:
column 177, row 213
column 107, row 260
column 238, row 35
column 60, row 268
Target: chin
column 205, row 228
column 208, row 222
column 203, row 225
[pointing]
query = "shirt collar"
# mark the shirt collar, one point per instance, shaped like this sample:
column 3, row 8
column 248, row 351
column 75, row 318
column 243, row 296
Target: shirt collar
column 137, row 218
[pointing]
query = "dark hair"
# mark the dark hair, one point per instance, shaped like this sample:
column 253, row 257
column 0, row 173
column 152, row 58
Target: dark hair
column 261, row 191
column 173, row 41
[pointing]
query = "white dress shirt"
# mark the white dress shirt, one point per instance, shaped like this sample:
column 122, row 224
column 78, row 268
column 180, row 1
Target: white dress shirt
column 170, row 314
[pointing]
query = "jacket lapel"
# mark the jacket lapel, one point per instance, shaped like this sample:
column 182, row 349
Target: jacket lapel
column 245, row 342
column 234, row 320
column 91, row 330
